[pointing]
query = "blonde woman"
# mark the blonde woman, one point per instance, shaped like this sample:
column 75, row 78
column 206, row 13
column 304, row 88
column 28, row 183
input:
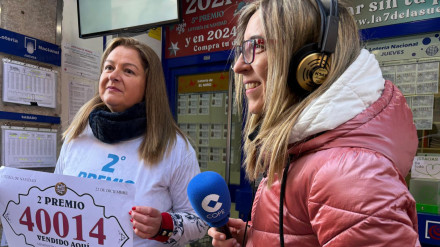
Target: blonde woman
column 130, row 118
column 331, row 138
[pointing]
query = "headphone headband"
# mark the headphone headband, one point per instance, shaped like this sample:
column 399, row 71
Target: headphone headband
column 310, row 65
column 328, row 9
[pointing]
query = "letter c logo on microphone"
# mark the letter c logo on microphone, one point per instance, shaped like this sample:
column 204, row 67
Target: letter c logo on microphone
column 211, row 198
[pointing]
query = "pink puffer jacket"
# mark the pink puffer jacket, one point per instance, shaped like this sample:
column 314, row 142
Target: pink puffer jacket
column 346, row 186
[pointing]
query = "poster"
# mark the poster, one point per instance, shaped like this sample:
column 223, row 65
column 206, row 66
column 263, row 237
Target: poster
column 51, row 210
column 28, row 147
column 81, row 90
column 207, row 26
column 81, row 62
column 28, row 84
column 426, row 167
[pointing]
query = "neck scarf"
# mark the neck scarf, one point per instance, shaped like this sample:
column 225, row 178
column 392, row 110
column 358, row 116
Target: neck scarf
column 113, row 127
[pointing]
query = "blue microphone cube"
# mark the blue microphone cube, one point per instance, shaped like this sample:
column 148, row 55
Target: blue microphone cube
column 210, row 198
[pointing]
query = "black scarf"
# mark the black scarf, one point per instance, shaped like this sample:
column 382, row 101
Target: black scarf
column 254, row 133
column 111, row 127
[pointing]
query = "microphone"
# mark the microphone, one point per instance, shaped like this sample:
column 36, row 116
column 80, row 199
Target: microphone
column 209, row 196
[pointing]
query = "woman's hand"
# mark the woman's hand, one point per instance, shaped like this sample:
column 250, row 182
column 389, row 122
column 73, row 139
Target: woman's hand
column 236, row 226
column 146, row 221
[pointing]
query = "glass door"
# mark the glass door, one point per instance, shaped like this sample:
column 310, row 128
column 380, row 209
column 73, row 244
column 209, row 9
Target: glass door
column 205, row 113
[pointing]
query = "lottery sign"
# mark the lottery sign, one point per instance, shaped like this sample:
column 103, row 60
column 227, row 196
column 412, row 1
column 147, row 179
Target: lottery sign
column 44, row 209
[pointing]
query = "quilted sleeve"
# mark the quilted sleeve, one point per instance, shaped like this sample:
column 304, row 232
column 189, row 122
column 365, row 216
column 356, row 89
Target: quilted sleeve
column 358, row 198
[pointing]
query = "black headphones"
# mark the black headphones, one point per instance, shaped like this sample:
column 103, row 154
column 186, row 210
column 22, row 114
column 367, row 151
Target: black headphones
column 310, row 65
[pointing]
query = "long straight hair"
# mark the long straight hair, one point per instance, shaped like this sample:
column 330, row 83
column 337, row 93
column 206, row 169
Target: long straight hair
column 161, row 129
column 287, row 25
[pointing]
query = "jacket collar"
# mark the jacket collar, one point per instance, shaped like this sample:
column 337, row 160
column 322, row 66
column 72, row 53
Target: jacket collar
column 385, row 127
column 357, row 88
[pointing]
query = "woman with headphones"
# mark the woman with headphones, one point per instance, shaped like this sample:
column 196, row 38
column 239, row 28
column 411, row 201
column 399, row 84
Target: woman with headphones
column 333, row 144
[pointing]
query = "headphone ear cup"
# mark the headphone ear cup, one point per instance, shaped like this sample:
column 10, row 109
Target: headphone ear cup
column 305, row 72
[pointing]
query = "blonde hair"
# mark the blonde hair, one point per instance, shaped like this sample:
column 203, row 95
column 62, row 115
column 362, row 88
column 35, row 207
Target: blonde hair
column 161, row 128
column 287, row 25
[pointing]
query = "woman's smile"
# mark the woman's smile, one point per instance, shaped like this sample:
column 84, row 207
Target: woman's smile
column 251, row 85
column 113, row 89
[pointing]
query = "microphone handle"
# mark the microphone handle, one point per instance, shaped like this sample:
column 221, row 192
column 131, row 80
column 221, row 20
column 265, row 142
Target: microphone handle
column 224, row 229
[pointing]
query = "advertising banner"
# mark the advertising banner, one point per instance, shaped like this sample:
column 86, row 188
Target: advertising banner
column 425, row 45
column 207, row 26
column 28, row 47
column 373, row 13
column 209, row 82
column 429, row 228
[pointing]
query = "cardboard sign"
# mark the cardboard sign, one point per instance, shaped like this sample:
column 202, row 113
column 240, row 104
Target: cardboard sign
column 426, row 167
column 45, row 209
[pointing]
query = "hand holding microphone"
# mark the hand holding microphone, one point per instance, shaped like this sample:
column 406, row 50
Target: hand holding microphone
column 209, row 196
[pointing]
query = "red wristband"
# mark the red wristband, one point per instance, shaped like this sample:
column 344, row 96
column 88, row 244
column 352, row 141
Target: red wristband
column 166, row 228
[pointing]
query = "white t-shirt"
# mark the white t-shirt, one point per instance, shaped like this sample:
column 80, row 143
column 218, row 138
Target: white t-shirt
column 162, row 186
